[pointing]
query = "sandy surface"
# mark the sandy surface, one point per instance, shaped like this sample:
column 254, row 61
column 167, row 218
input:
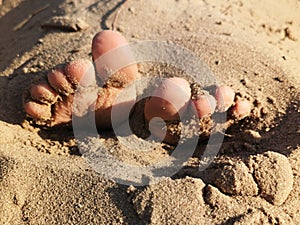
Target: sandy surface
column 252, row 46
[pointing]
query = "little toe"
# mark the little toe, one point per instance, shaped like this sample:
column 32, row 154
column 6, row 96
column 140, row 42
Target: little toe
column 225, row 98
column 38, row 110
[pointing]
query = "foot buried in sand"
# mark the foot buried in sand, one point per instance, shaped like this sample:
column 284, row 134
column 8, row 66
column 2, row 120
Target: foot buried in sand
column 50, row 103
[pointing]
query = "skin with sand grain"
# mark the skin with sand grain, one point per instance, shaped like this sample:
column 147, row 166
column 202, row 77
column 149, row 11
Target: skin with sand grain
column 52, row 101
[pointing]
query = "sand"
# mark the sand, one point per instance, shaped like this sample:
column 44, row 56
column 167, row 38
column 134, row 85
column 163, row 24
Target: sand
column 252, row 46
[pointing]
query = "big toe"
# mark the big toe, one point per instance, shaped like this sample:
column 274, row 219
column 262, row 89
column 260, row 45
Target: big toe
column 117, row 69
column 111, row 53
column 168, row 103
column 169, row 100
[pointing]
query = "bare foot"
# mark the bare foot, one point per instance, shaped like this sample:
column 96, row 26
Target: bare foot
column 50, row 103
column 173, row 97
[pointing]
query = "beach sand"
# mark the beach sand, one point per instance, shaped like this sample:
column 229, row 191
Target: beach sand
column 252, row 46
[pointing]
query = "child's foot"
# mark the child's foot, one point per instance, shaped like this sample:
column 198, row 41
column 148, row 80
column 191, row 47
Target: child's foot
column 172, row 100
column 51, row 102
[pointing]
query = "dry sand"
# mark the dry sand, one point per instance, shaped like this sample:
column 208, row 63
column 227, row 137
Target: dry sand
column 252, row 46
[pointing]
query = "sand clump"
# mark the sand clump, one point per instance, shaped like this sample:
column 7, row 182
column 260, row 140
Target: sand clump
column 234, row 178
column 274, row 176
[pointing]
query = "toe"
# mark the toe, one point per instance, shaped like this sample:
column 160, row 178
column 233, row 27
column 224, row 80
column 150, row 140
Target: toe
column 205, row 105
column 43, row 93
column 225, row 98
column 168, row 100
column 104, row 42
column 62, row 112
column 106, row 61
column 81, row 71
column 62, row 81
column 241, row 109
column 58, row 80
column 37, row 110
